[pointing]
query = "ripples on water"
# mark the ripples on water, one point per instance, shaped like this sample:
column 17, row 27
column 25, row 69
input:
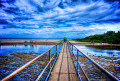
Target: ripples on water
column 6, row 50
column 100, row 50
column 26, row 53
column 15, row 56
column 106, row 56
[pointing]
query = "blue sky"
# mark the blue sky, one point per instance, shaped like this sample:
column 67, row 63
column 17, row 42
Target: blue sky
column 57, row 18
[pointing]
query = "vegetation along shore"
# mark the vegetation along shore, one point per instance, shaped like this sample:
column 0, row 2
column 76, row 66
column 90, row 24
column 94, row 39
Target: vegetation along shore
column 110, row 37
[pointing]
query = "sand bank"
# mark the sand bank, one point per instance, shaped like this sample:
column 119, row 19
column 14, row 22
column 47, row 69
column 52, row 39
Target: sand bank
column 48, row 42
column 94, row 44
column 27, row 41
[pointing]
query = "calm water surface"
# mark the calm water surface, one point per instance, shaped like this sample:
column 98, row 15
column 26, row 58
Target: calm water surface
column 100, row 50
column 14, row 56
column 7, row 50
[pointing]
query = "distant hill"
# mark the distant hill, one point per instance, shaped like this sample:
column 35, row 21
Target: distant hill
column 108, row 37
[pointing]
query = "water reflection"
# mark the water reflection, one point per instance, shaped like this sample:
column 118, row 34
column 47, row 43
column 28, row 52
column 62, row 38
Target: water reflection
column 92, row 50
column 109, row 59
column 14, row 56
column 7, row 50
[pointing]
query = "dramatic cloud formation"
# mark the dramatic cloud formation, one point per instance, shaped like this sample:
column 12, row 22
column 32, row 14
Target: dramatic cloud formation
column 57, row 18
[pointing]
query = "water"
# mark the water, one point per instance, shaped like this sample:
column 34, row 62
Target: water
column 97, row 51
column 15, row 56
column 106, row 56
column 7, row 50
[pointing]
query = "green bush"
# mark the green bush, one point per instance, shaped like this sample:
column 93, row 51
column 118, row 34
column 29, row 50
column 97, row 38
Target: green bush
column 109, row 37
column 65, row 39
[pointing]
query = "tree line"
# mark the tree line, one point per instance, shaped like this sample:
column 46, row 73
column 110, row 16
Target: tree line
column 108, row 37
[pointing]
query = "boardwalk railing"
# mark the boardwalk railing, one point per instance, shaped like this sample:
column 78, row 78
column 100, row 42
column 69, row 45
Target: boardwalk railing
column 35, row 66
column 87, row 69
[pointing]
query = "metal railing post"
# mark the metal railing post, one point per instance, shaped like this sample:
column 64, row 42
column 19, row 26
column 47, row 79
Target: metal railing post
column 49, row 59
column 77, row 60
column 30, row 62
column 60, row 48
column 56, row 50
column 72, row 49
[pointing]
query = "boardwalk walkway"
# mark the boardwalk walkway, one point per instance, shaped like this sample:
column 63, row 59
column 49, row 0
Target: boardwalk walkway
column 64, row 69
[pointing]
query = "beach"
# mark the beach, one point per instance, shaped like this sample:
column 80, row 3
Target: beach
column 47, row 42
column 93, row 44
column 28, row 41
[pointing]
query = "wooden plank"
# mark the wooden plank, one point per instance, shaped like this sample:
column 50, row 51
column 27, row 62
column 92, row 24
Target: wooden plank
column 64, row 69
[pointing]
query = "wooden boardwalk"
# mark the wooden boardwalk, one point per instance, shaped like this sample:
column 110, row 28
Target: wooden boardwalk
column 64, row 69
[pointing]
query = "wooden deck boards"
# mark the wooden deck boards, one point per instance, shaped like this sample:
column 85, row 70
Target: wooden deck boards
column 64, row 69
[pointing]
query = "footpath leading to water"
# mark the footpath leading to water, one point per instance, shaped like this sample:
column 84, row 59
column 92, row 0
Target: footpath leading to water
column 48, row 42
column 64, row 69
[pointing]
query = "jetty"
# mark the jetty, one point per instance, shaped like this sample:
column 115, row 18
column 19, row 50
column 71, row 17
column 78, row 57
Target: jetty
column 67, row 63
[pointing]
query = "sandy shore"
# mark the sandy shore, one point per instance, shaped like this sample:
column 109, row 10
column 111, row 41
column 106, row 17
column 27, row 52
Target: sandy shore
column 48, row 41
column 94, row 44
column 27, row 41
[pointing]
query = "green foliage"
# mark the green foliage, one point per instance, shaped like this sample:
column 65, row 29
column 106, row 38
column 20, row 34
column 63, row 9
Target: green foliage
column 65, row 39
column 108, row 37
column 109, row 33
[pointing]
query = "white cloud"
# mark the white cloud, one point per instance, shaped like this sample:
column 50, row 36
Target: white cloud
column 106, row 27
column 51, row 21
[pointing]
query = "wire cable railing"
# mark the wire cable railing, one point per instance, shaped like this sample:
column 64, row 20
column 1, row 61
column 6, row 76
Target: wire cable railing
column 87, row 69
column 39, row 74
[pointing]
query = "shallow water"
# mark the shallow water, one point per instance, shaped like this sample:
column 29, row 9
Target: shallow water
column 106, row 56
column 7, row 50
column 97, row 51
column 15, row 56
